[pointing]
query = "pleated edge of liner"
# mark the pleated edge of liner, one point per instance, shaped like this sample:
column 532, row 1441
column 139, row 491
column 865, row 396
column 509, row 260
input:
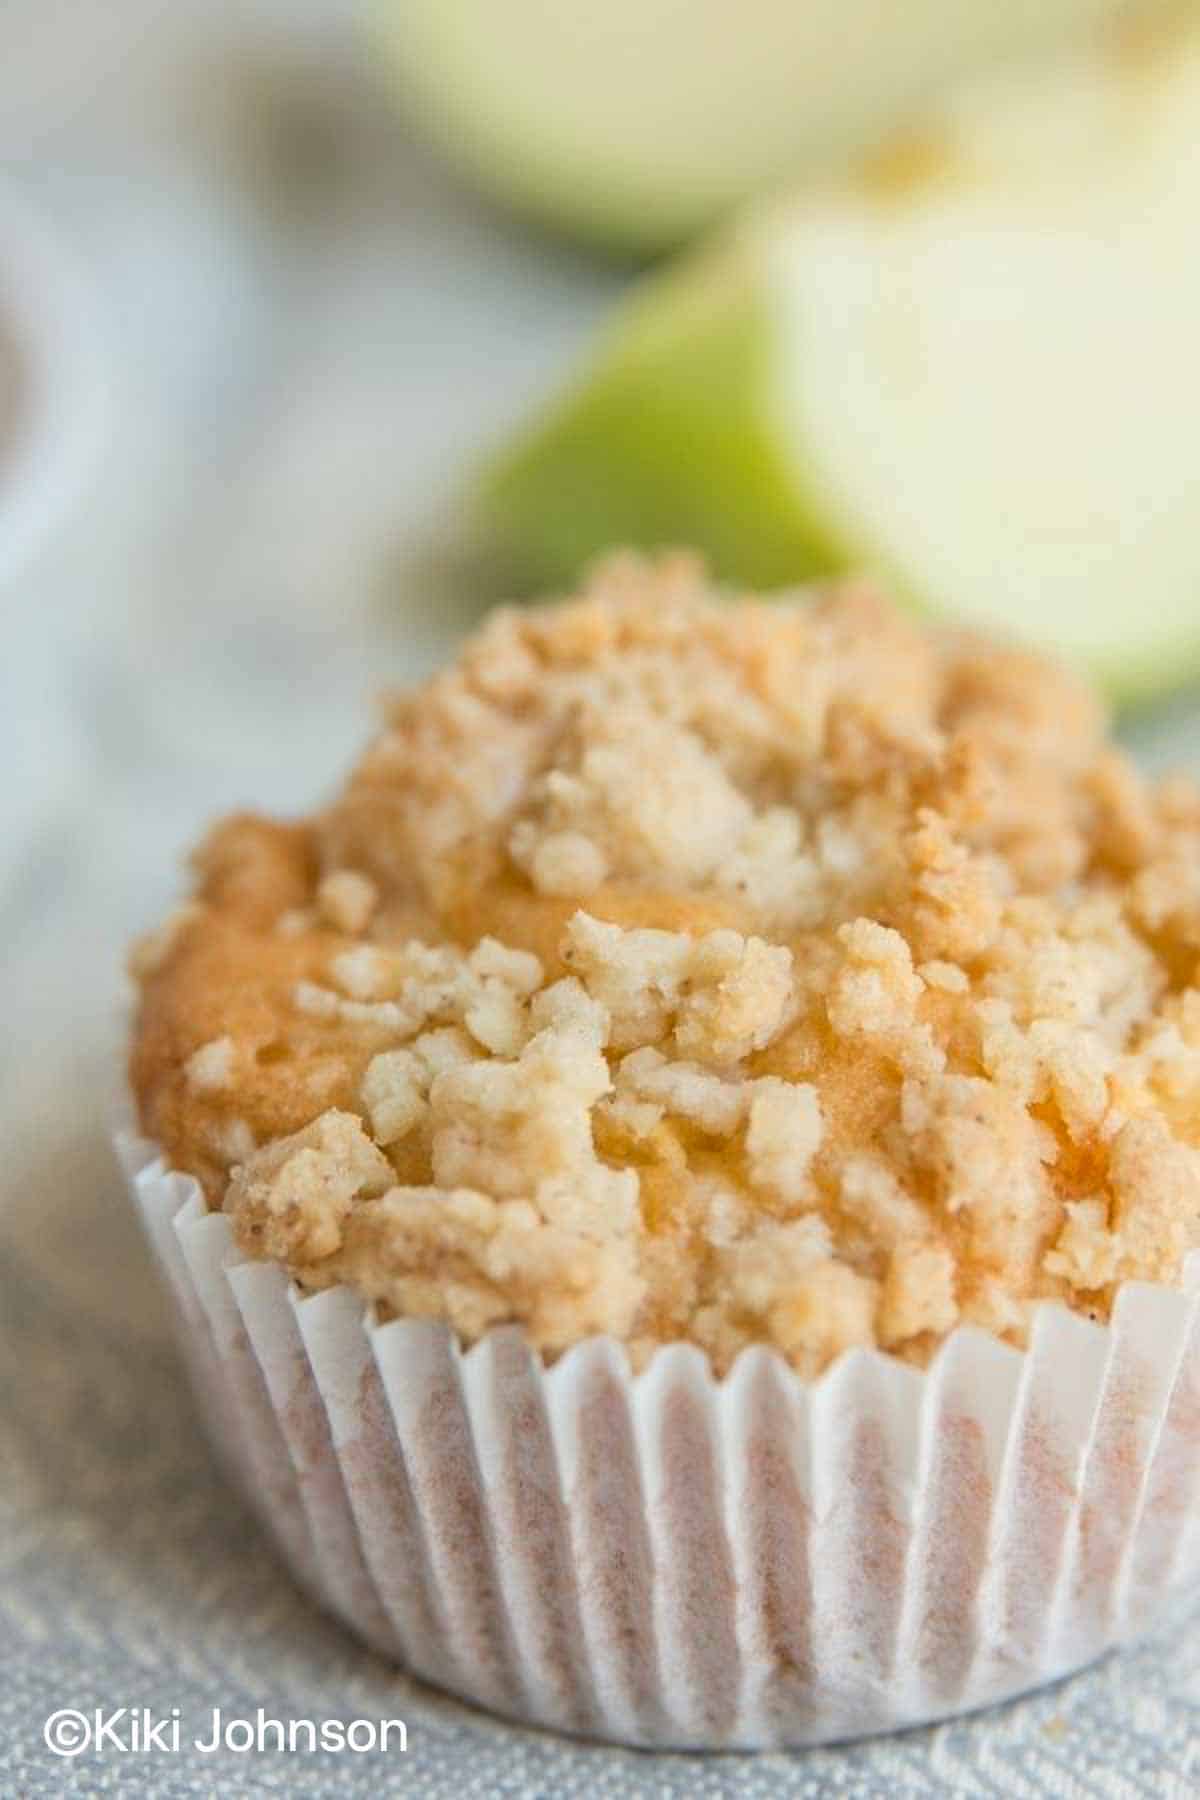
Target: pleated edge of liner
column 141, row 1159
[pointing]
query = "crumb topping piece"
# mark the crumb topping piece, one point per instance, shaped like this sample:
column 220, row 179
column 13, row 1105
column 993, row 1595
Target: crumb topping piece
column 739, row 973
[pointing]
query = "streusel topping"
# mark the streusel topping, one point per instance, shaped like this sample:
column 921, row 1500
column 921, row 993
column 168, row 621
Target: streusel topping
column 769, row 972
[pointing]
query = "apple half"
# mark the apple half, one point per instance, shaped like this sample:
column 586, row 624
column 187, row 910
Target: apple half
column 974, row 369
column 636, row 122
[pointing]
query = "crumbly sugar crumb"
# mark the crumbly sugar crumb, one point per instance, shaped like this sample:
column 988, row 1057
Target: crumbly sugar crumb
column 346, row 900
column 737, row 973
column 210, row 1068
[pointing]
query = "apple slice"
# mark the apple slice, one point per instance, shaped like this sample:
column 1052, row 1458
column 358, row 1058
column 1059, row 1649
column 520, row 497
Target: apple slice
column 976, row 370
column 637, row 121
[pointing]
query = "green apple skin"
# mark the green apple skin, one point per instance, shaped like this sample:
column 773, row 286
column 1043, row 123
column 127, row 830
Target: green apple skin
column 670, row 438
column 666, row 440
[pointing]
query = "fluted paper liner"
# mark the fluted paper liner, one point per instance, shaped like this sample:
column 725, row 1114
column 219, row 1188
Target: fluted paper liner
column 668, row 1559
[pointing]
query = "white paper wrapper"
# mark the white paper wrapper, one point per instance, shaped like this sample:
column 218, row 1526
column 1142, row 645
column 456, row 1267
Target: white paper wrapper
column 668, row 1559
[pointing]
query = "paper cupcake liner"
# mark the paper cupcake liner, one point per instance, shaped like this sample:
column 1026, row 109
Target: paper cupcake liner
column 668, row 1559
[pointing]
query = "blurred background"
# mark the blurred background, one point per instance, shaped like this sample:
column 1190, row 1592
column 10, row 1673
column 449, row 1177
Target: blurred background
column 285, row 293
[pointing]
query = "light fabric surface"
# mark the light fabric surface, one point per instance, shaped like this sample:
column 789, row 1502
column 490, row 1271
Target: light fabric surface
column 309, row 330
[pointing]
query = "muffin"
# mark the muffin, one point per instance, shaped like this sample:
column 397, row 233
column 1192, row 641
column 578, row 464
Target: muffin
column 679, row 1180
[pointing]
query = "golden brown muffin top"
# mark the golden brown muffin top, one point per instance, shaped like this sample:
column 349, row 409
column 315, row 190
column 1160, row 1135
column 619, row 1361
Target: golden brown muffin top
column 680, row 969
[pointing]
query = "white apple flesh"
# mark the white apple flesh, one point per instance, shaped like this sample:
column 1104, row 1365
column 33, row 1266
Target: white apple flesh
column 638, row 121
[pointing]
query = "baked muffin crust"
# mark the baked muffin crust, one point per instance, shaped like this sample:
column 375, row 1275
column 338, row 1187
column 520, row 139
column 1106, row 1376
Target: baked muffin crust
column 760, row 972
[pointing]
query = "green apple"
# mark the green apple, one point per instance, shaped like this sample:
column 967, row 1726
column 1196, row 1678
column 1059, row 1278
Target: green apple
column 637, row 121
column 975, row 369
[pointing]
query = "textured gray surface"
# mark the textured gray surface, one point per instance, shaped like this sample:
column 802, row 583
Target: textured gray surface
column 298, row 374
